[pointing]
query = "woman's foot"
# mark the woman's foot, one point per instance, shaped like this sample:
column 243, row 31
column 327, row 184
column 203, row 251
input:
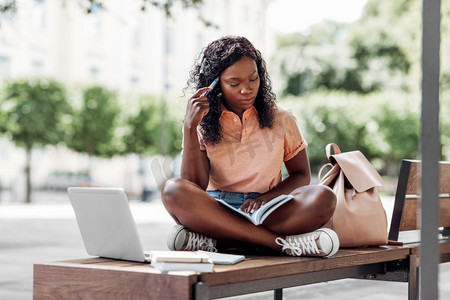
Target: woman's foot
column 322, row 242
column 181, row 238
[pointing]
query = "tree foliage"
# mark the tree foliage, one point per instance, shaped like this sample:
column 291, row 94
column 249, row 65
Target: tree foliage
column 144, row 129
column 385, row 127
column 34, row 113
column 9, row 7
column 399, row 133
column 377, row 57
column 326, row 125
column 95, row 122
column 381, row 51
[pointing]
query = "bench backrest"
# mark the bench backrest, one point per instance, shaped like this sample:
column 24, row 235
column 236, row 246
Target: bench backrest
column 406, row 211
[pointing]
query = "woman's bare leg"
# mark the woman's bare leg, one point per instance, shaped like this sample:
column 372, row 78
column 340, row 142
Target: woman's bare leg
column 192, row 207
column 310, row 209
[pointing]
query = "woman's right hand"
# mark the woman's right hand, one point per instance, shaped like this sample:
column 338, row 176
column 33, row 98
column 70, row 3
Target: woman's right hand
column 197, row 108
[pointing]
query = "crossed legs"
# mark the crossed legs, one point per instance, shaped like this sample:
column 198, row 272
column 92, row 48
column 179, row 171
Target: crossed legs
column 192, row 207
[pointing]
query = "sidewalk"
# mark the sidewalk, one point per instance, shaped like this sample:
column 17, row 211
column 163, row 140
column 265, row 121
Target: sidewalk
column 47, row 231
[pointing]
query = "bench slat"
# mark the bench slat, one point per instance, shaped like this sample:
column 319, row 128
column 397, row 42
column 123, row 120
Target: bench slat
column 258, row 268
column 411, row 209
column 108, row 279
column 407, row 198
column 413, row 187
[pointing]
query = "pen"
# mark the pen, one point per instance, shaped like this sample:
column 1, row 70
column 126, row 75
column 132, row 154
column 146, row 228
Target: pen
column 212, row 85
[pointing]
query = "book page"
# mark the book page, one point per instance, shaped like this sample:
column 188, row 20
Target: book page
column 264, row 211
column 240, row 212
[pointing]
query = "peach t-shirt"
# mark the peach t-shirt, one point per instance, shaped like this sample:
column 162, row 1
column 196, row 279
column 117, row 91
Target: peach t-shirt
column 248, row 158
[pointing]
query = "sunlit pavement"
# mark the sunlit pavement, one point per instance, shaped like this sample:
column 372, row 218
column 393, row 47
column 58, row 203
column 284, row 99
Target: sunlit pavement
column 47, row 231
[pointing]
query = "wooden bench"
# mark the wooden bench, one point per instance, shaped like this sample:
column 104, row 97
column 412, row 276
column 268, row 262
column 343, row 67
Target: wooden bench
column 405, row 217
column 99, row 278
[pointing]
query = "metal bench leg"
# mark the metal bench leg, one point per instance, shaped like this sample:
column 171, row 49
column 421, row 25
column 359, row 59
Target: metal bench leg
column 446, row 232
column 278, row 294
column 413, row 292
column 201, row 291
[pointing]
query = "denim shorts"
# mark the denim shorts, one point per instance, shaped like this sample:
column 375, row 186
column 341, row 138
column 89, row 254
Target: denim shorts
column 234, row 199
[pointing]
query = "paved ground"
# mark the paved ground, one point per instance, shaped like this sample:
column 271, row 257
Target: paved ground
column 47, row 231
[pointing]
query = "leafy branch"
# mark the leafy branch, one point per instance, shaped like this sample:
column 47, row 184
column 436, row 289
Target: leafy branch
column 9, row 7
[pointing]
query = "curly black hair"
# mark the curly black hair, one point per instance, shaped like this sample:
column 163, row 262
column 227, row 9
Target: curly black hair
column 213, row 60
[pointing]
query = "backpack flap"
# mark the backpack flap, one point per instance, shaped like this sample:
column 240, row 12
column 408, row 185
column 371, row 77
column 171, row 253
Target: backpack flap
column 358, row 170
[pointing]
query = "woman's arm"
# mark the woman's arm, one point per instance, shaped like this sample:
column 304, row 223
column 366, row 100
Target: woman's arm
column 299, row 175
column 195, row 163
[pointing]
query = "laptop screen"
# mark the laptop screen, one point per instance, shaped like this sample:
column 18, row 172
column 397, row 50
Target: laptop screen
column 106, row 223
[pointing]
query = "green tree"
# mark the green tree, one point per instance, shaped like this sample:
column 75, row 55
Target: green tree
column 95, row 122
column 400, row 135
column 9, row 7
column 34, row 113
column 384, row 127
column 143, row 133
column 324, row 125
column 90, row 6
column 362, row 57
column 319, row 59
column 144, row 136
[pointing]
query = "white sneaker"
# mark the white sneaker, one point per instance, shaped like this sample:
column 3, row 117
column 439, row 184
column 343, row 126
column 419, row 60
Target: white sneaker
column 321, row 242
column 181, row 238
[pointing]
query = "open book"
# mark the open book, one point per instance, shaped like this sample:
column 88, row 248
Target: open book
column 259, row 215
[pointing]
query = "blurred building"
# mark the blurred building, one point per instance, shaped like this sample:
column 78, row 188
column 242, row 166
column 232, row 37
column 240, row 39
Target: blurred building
column 118, row 46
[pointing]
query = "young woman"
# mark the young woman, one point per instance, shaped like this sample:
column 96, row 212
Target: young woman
column 236, row 140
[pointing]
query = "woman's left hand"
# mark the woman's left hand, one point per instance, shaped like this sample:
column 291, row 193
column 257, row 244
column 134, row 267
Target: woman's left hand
column 251, row 205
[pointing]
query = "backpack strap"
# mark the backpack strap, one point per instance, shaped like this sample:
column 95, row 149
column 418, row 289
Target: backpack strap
column 329, row 177
column 336, row 150
column 319, row 175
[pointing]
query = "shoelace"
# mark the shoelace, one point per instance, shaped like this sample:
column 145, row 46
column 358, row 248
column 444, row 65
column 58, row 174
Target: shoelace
column 299, row 245
column 198, row 241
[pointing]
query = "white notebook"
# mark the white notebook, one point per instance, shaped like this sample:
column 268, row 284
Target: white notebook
column 195, row 257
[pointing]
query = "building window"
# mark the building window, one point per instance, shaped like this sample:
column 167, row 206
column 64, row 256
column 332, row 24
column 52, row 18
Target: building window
column 134, row 80
column 168, row 40
column 94, row 71
column 37, row 65
column 137, row 34
column 94, row 26
column 5, row 65
column 39, row 20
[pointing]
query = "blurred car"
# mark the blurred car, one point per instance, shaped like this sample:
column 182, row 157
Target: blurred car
column 62, row 180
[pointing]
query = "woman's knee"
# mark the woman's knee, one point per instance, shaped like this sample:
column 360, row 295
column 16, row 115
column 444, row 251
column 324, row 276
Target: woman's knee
column 326, row 196
column 177, row 192
column 327, row 201
column 318, row 198
column 171, row 191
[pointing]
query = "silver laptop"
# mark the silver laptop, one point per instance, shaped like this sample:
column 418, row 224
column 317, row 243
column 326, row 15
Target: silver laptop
column 106, row 223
